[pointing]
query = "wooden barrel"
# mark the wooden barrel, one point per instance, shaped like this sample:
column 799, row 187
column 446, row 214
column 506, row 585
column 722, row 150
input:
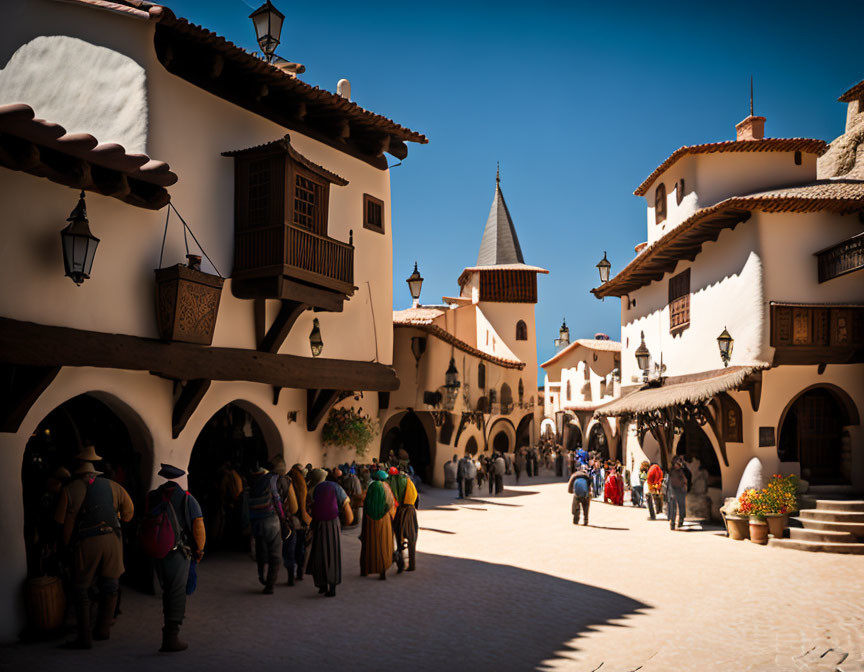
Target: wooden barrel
column 46, row 603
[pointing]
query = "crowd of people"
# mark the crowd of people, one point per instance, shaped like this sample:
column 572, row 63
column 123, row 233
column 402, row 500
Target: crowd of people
column 292, row 517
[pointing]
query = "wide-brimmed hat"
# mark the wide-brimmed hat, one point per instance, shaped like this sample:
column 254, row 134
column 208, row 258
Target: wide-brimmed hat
column 169, row 471
column 86, row 467
column 88, row 454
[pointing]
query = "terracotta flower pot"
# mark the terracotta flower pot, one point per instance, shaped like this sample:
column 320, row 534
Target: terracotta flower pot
column 777, row 523
column 738, row 528
column 758, row 531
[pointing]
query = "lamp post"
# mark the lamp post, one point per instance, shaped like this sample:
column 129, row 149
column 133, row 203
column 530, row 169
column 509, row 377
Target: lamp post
column 316, row 343
column 725, row 343
column 268, row 28
column 451, row 385
column 79, row 245
column 415, row 284
column 643, row 357
column 604, row 266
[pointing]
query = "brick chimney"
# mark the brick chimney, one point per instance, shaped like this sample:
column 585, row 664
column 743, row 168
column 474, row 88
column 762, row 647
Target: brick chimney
column 751, row 128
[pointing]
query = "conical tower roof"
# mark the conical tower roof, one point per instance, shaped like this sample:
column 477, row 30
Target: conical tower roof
column 500, row 244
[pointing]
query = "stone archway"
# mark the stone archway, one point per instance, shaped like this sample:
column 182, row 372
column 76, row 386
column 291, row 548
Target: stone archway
column 505, row 426
column 409, row 432
column 598, row 441
column 523, row 431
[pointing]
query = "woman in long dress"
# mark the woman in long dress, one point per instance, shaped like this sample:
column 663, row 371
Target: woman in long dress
column 405, row 522
column 376, row 537
column 325, row 558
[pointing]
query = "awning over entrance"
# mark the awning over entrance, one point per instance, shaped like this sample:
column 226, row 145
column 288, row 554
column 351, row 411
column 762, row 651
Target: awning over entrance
column 691, row 389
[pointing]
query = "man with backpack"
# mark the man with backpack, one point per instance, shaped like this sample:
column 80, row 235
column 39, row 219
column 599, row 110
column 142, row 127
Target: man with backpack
column 580, row 487
column 266, row 516
column 676, row 494
column 90, row 509
column 172, row 533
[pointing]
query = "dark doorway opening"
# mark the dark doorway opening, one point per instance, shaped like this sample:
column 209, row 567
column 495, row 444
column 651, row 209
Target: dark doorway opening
column 471, row 446
column 694, row 442
column 410, row 437
column 523, row 432
column 501, row 442
column 812, row 434
column 597, row 442
column 226, row 450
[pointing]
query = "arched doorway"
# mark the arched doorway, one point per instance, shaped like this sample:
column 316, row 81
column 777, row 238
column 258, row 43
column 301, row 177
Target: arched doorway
column 597, row 441
column 523, row 432
column 410, row 436
column 694, row 442
column 812, row 434
column 119, row 436
column 228, row 447
column 506, row 399
column 501, row 443
column 471, row 446
column 572, row 436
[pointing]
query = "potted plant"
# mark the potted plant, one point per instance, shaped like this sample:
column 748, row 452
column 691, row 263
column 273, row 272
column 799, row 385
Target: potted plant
column 349, row 428
column 737, row 525
column 187, row 302
column 780, row 498
column 751, row 504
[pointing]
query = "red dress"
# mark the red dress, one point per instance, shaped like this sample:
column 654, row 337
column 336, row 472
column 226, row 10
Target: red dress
column 613, row 490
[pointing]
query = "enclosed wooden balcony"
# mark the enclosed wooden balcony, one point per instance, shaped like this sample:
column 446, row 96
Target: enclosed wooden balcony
column 842, row 258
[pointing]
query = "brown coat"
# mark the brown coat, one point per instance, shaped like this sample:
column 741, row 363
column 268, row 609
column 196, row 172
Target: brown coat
column 72, row 497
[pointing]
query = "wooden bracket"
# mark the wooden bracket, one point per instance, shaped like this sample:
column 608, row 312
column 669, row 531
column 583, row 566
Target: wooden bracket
column 289, row 311
column 276, row 392
column 191, row 394
column 318, row 402
column 755, row 389
column 21, row 388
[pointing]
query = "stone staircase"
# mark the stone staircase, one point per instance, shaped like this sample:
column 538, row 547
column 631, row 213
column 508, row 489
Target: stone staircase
column 833, row 526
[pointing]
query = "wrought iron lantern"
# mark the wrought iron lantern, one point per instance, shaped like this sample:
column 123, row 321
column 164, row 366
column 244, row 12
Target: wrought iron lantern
column 415, row 284
column 643, row 356
column 725, row 343
column 79, row 244
column 604, row 267
column 316, row 343
column 451, row 385
column 418, row 347
column 268, row 28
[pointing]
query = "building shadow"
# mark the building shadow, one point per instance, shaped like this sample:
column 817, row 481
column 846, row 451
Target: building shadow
column 451, row 614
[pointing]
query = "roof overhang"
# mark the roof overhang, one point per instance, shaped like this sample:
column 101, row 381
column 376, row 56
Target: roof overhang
column 447, row 337
column 77, row 160
column 466, row 273
column 855, row 92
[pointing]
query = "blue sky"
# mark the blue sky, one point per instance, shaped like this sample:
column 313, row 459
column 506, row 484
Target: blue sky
column 578, row 101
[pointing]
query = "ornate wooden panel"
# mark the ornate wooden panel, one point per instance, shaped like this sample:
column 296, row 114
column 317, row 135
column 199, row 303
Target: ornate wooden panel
column 817, row 334
column 679, row 301
column 508, row 286
column 841, row 259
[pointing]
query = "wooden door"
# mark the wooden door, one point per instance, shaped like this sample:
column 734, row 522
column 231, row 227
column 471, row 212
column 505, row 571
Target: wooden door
column 819, row 431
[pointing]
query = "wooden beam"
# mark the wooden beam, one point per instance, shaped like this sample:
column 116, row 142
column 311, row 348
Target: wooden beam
column 289, row 311
column 30, row 344
column 192, row 393
column 22, row 387
column 280, row 287
column 318, row 403
column 398, row 149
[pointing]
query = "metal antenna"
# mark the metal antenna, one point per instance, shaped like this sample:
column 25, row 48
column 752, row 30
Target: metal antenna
column 751, row 95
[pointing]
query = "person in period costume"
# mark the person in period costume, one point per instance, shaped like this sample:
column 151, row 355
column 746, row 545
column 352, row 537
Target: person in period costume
column 676, row 493
column 328, row 501
column 266, row 516
column 405, row 521
column 90, row 509
column 500, row 468
column 580, row 487
column 519, row 464
column 290, row 507
column 654, row 483
column 173, row 571
column 351, row 485
column 294, row 552
column 559, row 463
column 490, row 472
column 467, row 474
column 226, row 508
column 376, row 536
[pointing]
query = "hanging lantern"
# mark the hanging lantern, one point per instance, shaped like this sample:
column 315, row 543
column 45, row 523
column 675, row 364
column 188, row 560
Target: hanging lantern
column 451, row 385
column 643, row 356
column 316, row 343
column 604, row 267
column 79, row 245
column 418, row 347
column 725, row 343
column 268, row 28
column 415, row 284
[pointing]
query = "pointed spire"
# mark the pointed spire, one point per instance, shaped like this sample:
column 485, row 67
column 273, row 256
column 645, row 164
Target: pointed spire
column 751, row 95
column 500, row 244
column 498, row 172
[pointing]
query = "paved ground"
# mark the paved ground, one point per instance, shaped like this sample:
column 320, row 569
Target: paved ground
column 509, row 583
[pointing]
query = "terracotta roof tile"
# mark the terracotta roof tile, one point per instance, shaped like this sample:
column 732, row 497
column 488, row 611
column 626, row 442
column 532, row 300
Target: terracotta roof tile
column 853, row 93
column 807, row 145
column 590, row 343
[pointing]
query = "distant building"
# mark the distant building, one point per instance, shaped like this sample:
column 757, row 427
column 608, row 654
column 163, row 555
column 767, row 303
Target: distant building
column 468, row 368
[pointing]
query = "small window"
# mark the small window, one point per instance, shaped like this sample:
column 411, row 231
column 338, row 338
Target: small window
column 521, row 331
column 309, row 208
column 660, row 204
column 569, row 391
column 679, row 191
column 521, row 391
column 587, row 371
column 797, row 158
column 373, row 213
column 679, row 301
column 481, row 376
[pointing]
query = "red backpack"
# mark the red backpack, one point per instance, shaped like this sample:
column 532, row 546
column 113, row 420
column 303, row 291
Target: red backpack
column 157, row 535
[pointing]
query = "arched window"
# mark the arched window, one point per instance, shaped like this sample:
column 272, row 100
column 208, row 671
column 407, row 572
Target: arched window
column 660, row 204
column 481, row 376
column 679, row 191
column 521, row 392
column 521, row 331
column 569, row 391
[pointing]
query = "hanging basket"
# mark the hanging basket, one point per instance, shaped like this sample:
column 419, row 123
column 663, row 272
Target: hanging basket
column 187, row 304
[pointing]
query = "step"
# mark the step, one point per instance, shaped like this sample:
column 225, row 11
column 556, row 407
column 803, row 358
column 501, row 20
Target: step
column 851, row 505
column 818, row 546
column 831, row 515
column 822, row 535
column 856, row 529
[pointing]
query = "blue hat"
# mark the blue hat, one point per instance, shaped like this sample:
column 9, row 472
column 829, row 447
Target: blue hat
column 170, row 472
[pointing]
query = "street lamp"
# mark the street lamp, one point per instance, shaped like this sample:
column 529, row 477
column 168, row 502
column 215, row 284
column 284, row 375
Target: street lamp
column 643, row 357
column 79, row 245
column 316, row 343
column 604, row 266
column 415, row 284
column 725, row 342
column 451, row 385
column 268, row 28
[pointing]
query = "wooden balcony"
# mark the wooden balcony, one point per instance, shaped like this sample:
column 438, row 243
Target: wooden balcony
column 286, row 261
column 817, row 334
column 840, row 259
